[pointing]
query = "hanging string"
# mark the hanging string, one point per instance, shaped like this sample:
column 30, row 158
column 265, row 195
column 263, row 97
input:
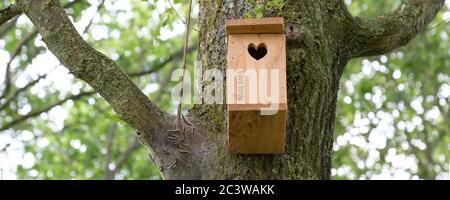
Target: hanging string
column 185, row 48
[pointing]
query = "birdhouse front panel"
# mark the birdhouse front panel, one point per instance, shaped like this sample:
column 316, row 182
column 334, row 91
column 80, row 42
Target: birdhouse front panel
column 256, row 86
column 258, row 56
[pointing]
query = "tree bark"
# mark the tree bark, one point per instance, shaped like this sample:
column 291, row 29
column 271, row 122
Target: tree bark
column 321, row 37
column 9, row 13
column 314, row 30
column 168, row 151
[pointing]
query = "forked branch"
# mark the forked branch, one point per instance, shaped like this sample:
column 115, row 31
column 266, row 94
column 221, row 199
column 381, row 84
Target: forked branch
column 379, row 35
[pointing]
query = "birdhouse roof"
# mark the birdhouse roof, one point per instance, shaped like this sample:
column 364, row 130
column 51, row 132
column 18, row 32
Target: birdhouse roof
column 265, row 25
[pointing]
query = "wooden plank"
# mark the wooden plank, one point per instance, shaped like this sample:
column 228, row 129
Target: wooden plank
column 279, row 106
column 252, row 133
column 238, row 58
column 249, row 132
column 264, row 25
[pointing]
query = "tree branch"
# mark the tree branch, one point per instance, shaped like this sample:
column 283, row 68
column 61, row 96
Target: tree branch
column 379, row 35
column 6, row 25
column 132, row 74
column 186, row 41
column 155, row 69
column 113, row 84
column 4, row 28
column 165, row 82
column 86, row 63
column 125, row 155
column 20, row 90
column 9, row 13
column 42, row 110
column 173, row 56
column 70, row 4
column 24, row 41
column 109, row 144
column 86, row 29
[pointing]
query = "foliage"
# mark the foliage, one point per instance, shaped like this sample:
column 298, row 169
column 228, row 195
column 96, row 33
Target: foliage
column 393, row 111
column 392, row 119
column 71, row 140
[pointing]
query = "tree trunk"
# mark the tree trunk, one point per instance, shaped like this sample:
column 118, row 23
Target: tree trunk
column 321, row 37
column 313, row 72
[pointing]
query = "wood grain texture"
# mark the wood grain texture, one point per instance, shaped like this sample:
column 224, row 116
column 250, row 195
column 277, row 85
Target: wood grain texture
column 250, row 78
column 252, row 133
column 317, row 46
column 280, row 106
column 264, row 25
column 251, row 87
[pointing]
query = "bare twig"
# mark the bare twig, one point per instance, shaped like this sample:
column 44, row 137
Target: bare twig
column 178, row 15
column 132, row 74
column 74, row 97
column 5, row 147
column 37, row 112
column 70, row 4
column 165, row 82
column 86, row 29
column 443, row 22
column 109, row 144
column 24, row 41
column 20, row 90
column 161, row 64
column 177, row 135
column 142, row 54
column 17, row 92
column 186, row 41
column 4, row 27
column 123, row 158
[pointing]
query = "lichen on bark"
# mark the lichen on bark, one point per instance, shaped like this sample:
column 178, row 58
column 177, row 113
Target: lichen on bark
column 321, row 37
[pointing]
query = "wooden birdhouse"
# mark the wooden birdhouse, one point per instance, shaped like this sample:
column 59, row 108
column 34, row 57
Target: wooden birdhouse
column 256, row 86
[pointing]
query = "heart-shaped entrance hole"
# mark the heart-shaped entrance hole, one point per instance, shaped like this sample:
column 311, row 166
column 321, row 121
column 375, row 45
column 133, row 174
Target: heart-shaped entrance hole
column 257, row 52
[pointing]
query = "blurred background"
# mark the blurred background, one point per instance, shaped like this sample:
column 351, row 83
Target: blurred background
column 392, row 119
